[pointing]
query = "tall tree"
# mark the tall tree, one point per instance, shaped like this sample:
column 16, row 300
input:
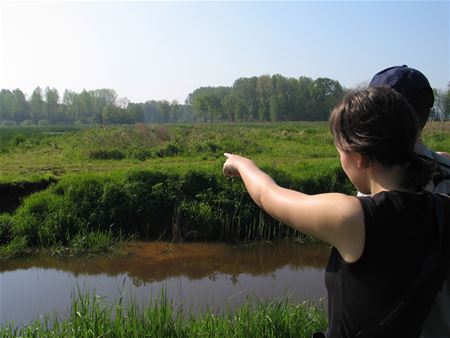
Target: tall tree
column 326, row 94
column 304, row 100
column 37, row 105
column 85, row 107
column 200, row 105
column 20, row 109
column 175, row 110
column 278, row 102
column 214, row 106
column 51, row 100
column 245, row 88
column 151, row 111
column 234, row 107
column 6, row 105
column 264, row 93
column 70, row 102
column 135, row 112
column 164, row 108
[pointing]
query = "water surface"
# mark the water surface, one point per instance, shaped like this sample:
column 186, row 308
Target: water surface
column 194, row 275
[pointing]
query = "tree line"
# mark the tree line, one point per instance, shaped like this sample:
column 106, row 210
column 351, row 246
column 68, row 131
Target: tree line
column 99, row 106
column 263, row 98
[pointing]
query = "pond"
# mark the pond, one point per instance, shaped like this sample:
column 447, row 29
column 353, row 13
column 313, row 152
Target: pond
column 197, row 276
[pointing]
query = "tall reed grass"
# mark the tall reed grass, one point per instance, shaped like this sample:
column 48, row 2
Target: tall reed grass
column 91, row 316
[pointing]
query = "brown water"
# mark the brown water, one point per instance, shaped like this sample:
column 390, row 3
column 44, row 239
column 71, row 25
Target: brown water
column 197, row 275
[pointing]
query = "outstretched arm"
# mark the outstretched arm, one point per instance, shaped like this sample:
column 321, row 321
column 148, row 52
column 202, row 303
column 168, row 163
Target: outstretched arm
column 334, row 218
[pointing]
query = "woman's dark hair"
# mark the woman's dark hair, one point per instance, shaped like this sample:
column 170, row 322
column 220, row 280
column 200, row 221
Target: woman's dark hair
column 380, row 124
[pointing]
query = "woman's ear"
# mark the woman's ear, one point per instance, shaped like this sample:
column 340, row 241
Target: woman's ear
column 362, row 162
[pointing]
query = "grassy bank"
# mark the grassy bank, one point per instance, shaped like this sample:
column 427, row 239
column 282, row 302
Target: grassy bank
column 89, row 212
column 90, row 316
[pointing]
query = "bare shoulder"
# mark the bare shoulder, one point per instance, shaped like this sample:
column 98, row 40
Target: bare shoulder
column 345, row 230
column 336, row 216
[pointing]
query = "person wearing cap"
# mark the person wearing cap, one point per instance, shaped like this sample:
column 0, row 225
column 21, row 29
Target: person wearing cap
column 414, row 86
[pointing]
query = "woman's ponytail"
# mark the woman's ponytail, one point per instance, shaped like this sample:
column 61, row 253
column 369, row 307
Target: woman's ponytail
column 418, row 171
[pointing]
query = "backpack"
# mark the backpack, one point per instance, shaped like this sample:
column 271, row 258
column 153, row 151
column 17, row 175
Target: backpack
column 442, row 184
column 437, row 322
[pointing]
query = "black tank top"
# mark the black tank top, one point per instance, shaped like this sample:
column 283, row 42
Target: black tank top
column 400, row 229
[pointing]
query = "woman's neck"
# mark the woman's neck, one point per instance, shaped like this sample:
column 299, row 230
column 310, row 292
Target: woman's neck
column 384, row 178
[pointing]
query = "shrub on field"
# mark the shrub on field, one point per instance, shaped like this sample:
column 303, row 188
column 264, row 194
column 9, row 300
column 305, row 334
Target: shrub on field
column 83, row 196
column 5, row 228
column 141, row 154
column 16, row 247
column 96, row 241
column 170, row 149
column 8, row 123
column 139, row 202
column 241, row 146
column 206, row 147
column 195, row 182
column 198, row 220
column 45, row 219
column 115, row 207
column 161, row 132
column 152, row 199
column 18, row 139
column 106, row 154
column 43, row 122
column 26, row 123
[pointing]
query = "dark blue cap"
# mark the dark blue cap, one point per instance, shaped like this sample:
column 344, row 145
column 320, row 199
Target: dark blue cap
column 409, row 82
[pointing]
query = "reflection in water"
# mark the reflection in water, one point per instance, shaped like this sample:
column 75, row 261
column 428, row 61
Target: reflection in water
column 198, row 275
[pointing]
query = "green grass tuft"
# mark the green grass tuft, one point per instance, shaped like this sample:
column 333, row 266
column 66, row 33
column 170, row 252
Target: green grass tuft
column 92, row 316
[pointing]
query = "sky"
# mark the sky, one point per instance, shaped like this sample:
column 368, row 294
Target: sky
column 165, row 50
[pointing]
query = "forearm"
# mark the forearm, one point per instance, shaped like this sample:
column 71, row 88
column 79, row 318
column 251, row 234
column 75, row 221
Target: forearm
column 256, row 181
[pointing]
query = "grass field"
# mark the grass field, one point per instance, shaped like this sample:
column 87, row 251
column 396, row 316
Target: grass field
column 101, row 183
column 28, row 152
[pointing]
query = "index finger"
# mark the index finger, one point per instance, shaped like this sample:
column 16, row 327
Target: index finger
column 227, row 155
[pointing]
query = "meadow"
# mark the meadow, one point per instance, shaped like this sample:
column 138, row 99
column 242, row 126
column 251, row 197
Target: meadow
column 84, row 189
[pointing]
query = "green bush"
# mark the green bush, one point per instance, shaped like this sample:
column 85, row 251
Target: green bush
column 8, row 123
column 198, row 220
column 18, row 139
column 170, row 149
column 141, row 154
column 26, row 123
column 17, row 247
column 5, row 228
column 97, row 241
column 106, row 154
column 46, row 219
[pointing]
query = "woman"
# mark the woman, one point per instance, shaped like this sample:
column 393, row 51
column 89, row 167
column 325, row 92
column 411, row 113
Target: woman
column 379, row 242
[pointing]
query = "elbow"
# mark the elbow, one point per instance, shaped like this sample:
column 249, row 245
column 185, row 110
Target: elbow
column 265, row 198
